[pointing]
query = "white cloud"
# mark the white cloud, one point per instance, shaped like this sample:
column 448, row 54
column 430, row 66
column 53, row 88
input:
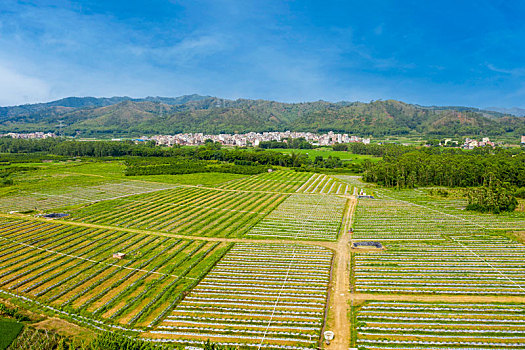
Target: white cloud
column 187, row 52
column 18, row 88
column 516, row 72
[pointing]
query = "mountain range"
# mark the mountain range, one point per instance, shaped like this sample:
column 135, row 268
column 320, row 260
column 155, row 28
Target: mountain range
column 125, row 116
column 518, row 112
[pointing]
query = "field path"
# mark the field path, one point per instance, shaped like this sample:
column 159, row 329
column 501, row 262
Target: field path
column 339, row 322
column 330, row 245
column 361, row 297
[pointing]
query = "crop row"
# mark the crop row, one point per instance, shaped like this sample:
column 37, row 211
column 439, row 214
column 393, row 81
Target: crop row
column 477, row 264
column 276, row 181
column 46, row 200
column 71, row 268
column 416, row 325
column 323, row 184
column 258, row 294
column 456, row 207
column 316, row 217
column 188, row 211
column 389, row 219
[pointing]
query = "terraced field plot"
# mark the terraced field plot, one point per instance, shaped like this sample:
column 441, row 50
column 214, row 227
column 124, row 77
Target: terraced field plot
column 276, row 181
column 323, row 184
column 265, row 295
column 390, row 219
column 49, row 199
column 468, row 264
column 316, row 217
column 72, row 268
column 185, row 210
column 352, row 180
column 456, row 208
column 430, row 326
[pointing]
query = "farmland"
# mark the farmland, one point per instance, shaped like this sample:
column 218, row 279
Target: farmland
column 480, row 264
column 414, row 215
column 263, row 261
column 323, row 184
column 74, row 195
column 327, row 152
column 72, row 269
column 62, row 184
column 280, row 181
column 185, row 210
column 416, row 325
column 275, row 298
column 436, row 252
column 303, row 217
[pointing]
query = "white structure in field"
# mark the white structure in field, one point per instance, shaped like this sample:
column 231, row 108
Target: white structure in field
column 328, row 336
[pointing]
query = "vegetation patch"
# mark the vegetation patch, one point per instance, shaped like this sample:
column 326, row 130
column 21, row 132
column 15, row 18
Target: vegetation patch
column 9, row 330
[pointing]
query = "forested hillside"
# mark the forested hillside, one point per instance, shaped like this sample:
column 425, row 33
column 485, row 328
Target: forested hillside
column 124, row 116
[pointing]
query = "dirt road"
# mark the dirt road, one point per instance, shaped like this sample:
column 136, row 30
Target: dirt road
column 330, row 245
column 338, row 321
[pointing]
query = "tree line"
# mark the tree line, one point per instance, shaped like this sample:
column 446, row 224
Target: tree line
column 445, row 167
column 243, row 161
column 177, row 166
column 298, row 143
column 494, row 178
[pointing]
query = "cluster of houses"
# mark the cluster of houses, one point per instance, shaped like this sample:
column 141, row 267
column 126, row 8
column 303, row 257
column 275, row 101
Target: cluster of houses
column 31, row 135
column 471, row 143
column 254, row 139
column 468, row 143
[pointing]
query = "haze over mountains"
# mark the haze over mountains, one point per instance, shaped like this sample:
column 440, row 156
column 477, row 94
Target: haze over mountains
column 518, row 112
column 125, row 116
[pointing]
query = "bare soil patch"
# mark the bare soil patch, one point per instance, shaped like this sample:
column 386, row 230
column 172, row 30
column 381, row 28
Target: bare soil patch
column 62, row 327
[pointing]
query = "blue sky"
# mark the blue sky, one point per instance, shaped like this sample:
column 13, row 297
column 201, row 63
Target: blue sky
column 426, row 52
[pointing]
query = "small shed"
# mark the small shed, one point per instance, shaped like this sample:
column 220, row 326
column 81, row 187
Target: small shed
column 55, row 215
column 119, row 255
column 365, row 196
column 367, row 244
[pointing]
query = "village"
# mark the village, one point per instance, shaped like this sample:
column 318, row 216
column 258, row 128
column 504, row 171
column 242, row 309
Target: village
column 254, row 139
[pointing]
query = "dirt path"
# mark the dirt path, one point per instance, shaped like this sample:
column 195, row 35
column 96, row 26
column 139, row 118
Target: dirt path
column 338, row 321
column 329, row 245
column 361, row 297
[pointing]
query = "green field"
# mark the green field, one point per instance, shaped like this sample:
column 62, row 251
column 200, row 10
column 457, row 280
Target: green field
column 326, row 152
column 271, row 238
column 57, row 184
column 9, row 330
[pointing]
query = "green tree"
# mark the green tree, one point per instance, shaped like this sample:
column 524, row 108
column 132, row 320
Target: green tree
column 493, row 196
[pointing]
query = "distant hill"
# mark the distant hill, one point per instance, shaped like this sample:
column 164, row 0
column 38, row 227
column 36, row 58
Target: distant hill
column 125, row 116
column 518, row 112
